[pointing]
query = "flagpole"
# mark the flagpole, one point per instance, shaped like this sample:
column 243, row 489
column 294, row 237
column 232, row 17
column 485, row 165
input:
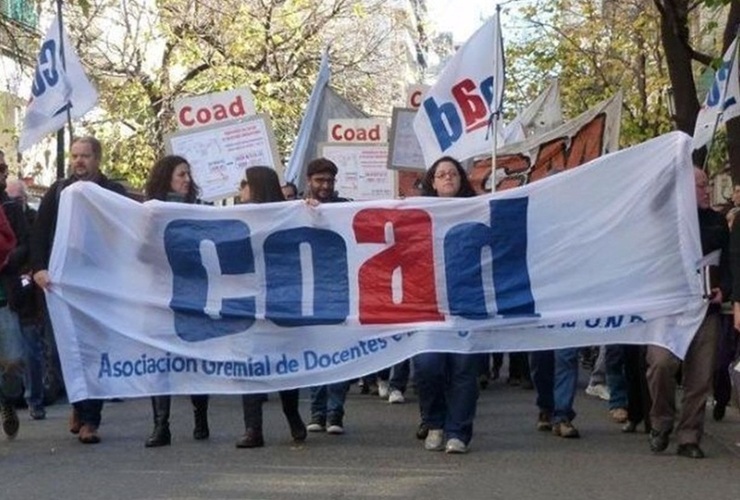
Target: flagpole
column 722, row 101
column 497, row 112
column 61, row 173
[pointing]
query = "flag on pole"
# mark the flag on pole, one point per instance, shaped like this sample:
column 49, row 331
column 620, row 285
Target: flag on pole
column 723, row 99
column 56, row 89
column 455, row 113
column 542, row 115
column 323, row 104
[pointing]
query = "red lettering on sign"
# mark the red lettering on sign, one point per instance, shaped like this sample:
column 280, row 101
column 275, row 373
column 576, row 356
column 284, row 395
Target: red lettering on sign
column 360, row 134
column 218, row 112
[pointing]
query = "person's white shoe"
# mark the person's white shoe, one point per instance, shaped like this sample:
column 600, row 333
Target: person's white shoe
column 383, row 389
column 434, row 440
column 455, row 445
column 396, row 397
column 598, row 391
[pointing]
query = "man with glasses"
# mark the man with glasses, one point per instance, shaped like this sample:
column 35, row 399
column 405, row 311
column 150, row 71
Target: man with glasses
column 327, row 401
column 321, row 176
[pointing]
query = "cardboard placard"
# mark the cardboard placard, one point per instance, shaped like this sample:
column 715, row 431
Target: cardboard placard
column 405, row 151
column 362, row 170
column 219, row 154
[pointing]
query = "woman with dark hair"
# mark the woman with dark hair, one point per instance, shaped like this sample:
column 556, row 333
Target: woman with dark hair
column 447, row 382
column 170, row 180
column 262, row 186
column 454, row 185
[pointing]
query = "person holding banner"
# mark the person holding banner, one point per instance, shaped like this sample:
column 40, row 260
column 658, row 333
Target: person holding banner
column 170, row 180
column 698, row 365
column 327, row 401
column 263, row 186
column 85, row 155
column 447, row 382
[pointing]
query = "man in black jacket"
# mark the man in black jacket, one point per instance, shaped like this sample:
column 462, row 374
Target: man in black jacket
column 85, row 156
column 698, row 364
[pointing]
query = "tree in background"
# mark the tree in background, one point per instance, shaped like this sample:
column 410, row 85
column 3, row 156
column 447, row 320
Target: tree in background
column 144, row 55
column 595, row 48
column 681, row 51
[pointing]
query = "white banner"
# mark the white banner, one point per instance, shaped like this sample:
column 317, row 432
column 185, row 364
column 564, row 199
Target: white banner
column 55, row 91
column 455, row 113
column 176, row 298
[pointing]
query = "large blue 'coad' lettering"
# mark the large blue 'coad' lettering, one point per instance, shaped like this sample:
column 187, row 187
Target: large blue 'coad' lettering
column 46, row 69
column 182, row 240
column 507, row 240
column 285, row 278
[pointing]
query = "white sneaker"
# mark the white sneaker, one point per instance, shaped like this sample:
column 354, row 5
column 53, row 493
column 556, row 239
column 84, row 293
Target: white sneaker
column 396, row 397
column 335, row 428
column 598, row 391
column 315, row 427
column 434, row 440
column 455, row 445
column 383, row 389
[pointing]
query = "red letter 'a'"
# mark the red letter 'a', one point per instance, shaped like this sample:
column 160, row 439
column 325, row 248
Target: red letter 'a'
column 410, row 252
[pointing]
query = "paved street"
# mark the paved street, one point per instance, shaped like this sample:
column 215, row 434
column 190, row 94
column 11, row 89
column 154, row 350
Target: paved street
column 378, row 457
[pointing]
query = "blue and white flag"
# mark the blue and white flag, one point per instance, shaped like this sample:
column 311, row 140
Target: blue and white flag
column 723, row 99
column 455, row 114
column 323, row 105
column 56, row 89
column 297, row 164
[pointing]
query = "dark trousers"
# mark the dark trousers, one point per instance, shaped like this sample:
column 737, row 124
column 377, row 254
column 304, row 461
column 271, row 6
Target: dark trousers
column 697, row 369
column 252, row 406
column 727, row 348
column 89, row 411
column 638, row 394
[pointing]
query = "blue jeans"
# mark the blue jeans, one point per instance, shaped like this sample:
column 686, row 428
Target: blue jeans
column 11, row 354
column 400, row 376
column 327, row 402
column 615, row 377
column 33, row 378
column 555, row 377
column 448, row 391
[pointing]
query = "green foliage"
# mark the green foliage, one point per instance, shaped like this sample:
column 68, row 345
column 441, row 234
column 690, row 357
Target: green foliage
column 177, row 48
column 595, row 48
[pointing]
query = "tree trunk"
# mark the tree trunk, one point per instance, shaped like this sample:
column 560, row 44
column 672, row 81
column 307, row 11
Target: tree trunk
column 674, row 31
column 733, row 126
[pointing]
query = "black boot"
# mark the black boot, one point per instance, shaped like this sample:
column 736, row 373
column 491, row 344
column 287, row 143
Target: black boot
column 161, row 434
column 252, row 407
column 290, row 409
column 200, row 410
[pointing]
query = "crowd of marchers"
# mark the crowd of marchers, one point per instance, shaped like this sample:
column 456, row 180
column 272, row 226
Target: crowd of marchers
column 639, row 382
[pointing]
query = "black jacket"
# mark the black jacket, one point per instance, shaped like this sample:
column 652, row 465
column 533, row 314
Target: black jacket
column 42, row 234
column 715, row 235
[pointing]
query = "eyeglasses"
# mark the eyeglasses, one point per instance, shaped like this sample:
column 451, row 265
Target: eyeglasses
column 323, row 180
column 450, row 175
